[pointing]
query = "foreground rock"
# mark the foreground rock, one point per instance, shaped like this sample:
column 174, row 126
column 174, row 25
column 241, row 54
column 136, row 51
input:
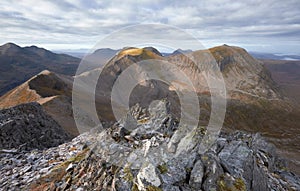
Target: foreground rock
column 148, row 150
column 27, row 127
column 19, row 168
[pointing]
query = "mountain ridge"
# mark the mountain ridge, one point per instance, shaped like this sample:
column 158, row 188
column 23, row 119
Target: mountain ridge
column 52, row 91
column 19, row 64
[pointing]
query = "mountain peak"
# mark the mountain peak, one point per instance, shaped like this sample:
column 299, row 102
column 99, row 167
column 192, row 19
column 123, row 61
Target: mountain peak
column 226, row 50
column 104, row 49
column 180, row 51
column 40, row 51
column 45, row 72
column 10, row 44
column 144, row 53
column 9, row 47
column 152, row 49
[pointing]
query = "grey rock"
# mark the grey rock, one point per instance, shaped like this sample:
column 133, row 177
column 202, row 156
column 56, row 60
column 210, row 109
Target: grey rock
column 237, row 158
column 197, row 175
column 27, row 127
column 174, row 173
column 213, row 170
column 236, row 161
column 148, row 176
column 171, row 188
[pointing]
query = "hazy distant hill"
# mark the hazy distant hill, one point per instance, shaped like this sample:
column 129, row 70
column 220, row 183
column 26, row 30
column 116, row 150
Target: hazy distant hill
column 260, row 55
column 18, row 64
column 97, row 59
column 287, row 75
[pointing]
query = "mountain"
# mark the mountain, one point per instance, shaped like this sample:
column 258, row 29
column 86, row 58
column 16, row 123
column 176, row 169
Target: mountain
column 178, row 51
column 110, row 72
column 18, row 64
column 78, row 53
column 52, row 91
column 131, row 156
column 243, row 75
column 287, row 76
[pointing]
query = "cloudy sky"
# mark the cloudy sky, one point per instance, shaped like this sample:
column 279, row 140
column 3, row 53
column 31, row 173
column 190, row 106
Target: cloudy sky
column 257, row 25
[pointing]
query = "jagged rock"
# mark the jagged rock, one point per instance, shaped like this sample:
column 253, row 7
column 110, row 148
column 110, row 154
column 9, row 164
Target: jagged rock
column 172, row 172
column 189, row 141
column 213, row 170
column 197, row 175
column 26, row 126
column 24, row 167
column 236, row 161
column 147, row 176
column 175, row 139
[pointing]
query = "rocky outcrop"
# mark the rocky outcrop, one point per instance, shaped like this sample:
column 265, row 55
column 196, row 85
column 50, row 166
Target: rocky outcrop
column 19, row 167
column 134, row 155
column 27, row 127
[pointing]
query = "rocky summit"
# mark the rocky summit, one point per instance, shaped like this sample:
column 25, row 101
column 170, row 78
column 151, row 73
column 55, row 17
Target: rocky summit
column 149, row 150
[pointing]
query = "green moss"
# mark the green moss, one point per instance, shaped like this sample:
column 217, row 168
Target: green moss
column 239, row 184
column 128, row 174
column 221, row 185
column 204, row 157
column 79, row 157
column 162, row 168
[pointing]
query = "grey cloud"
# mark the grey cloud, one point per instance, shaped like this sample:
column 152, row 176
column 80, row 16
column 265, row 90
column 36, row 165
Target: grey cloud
column 221, row 20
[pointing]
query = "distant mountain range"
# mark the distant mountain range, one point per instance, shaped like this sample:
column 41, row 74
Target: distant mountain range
column 269, row 56
column 80, row 53
column 18, row 64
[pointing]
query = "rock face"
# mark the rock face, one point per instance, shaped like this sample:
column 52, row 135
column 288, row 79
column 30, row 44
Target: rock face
column 27, row 127
column 133, row 155
column 243, row 75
